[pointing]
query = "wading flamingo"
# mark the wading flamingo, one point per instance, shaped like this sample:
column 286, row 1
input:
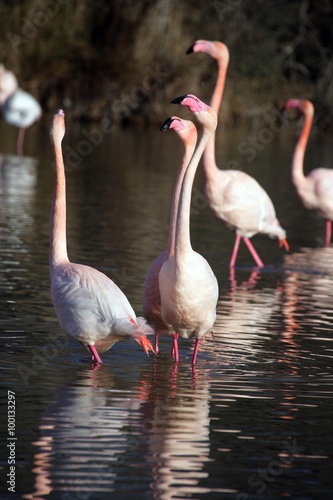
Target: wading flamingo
column 187, row 133
column 188, row 286
column 89, row 306
column 234, row 197
column 316, row 189
column 19, row 107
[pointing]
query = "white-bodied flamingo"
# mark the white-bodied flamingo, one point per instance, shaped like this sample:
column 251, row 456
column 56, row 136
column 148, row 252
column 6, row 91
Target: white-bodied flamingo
column 19, row 107
column 234, row 197
column 187, row 133
column 89, row 306
column 316, row 189
column 188, row 286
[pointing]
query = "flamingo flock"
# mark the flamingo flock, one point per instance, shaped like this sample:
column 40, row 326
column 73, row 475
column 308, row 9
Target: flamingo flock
column 180, row 290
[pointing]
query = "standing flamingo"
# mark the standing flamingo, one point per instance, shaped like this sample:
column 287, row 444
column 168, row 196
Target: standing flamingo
column 316, row 189
column 89, row 306
column 235, row 197
column 19, row 107
column 188, row 286
column 151, row 297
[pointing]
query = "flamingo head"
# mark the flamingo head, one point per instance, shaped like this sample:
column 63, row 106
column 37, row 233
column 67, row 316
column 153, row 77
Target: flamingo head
column 304, row 106
column 192, row 102
column 215, row 49
column 57, row 128
column 185, row 129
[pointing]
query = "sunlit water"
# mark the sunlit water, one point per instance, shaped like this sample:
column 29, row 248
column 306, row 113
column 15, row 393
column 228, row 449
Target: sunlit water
column 252, row 421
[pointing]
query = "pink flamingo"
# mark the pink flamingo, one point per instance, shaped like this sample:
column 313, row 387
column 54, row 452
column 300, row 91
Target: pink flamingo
column 234, row 197
column 19, row 107
column 188, row 286
column 89, row 306
column 151, row 296
column 316, row 189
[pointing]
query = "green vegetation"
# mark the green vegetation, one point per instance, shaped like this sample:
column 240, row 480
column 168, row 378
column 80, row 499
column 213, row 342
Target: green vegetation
column 125, row 59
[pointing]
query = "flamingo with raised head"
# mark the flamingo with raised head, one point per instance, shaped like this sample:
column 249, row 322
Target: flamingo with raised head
column 188, row 286
column 20, row 108
column 316, row 189
column 234, row 197
column 90, row 307
column 187, row 133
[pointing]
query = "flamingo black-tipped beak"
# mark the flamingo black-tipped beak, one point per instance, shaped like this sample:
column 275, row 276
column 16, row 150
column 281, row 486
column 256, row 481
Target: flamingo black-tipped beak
column 166, row 125
column 178, row 100
column 190, row 49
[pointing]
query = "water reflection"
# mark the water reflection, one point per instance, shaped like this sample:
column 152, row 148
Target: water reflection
column 83, row 434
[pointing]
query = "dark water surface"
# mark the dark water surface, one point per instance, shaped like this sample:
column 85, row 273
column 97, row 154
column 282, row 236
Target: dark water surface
column 252, row 421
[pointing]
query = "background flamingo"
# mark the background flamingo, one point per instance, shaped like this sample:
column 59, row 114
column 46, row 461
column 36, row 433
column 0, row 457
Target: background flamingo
column 89, row 306
column 235, row 197
column 151, row 296
column 19, row 107
column 316, row 189
column 188, row 286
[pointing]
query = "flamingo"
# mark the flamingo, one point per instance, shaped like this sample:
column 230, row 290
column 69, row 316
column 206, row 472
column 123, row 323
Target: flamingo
column 89, row 306
column 187, row 133
column 188, row 286
column 234, row 197
column 19, row 107
column 316, row 189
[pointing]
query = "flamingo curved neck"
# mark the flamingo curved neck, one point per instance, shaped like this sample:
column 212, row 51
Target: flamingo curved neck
column 182, row 232
column 209, row 161
column 298, row 157
column 58, row 244
column 187, row 155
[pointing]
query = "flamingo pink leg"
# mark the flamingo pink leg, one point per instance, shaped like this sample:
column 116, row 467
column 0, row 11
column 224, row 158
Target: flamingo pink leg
column 235, row 250
column 156, row 343
column 328, row 233
column 195, row 352
column 94, row 354
column 20, row 139
column 254, row 254
column 174, row 351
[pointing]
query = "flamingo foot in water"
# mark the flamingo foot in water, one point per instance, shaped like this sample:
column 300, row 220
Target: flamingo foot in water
column 174, row 350
column 94, row 354
column 328, row 233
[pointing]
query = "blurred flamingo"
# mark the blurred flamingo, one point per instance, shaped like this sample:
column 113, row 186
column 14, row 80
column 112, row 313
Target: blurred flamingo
column 188, row 286
column 19, row 107
column 187, row 133
column 316, row 189
column 89, row 306
column 234, row 197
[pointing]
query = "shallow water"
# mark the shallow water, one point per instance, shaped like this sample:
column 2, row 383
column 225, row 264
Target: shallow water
column 252, row 421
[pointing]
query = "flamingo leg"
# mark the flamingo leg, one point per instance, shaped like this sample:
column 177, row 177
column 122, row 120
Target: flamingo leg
column 174, row 350
column 328, row 233
column 235, row 250
column 20, row 139
column 156, row 343
column 195, row 352
column 254, row 254
column 94, row 354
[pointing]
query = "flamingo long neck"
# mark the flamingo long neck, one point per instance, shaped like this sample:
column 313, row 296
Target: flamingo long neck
column 189, row 148
column 182, row 229
column 298, row 157
column 58, row 244
column 209, row 161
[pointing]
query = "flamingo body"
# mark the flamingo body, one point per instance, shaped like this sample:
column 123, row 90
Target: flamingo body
column 235, row 198
column 315, row 190
column 90, row 307
column 21, row 109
